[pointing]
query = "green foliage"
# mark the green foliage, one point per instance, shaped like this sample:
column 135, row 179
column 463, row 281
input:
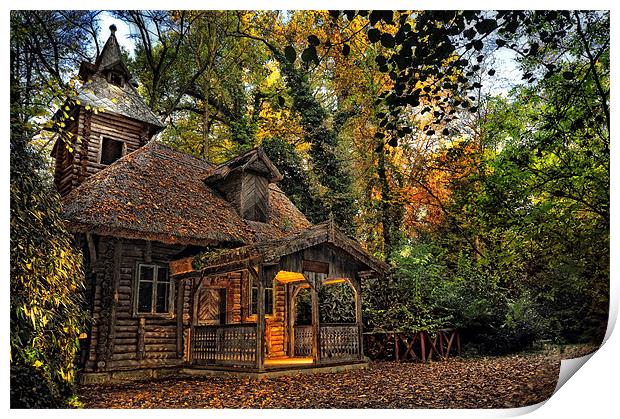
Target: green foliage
column 328, row 165
column 46, row 288
column 337, row 303
column 295, row 182
column 524, row 253
column 46, row 284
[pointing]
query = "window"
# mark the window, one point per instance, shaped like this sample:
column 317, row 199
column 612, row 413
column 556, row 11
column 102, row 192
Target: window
column 254, row 299
column 154, row 290
column 111, row 150
column 117, row 79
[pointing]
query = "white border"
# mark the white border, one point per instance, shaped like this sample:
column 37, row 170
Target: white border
column 592, row 393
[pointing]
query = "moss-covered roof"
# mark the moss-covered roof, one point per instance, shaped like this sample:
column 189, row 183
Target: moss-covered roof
column 158, row 193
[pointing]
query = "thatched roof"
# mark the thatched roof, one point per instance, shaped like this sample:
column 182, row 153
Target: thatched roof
column 158, row 193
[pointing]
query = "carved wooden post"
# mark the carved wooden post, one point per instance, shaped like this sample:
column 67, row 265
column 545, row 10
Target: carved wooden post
column 316, row 320
column 195, row 284
column 290, row 319
column 109, row 299
column 358, row 315
column 180, row 289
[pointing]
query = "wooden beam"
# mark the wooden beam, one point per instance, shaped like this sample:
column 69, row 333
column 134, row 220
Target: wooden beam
column 92, row 251
column 148, row 252
column 358, row 315
column 140, row 339
column 290, row 320
column 180, row 290
column 316, row 326
column 315, row 266
column 260, row 318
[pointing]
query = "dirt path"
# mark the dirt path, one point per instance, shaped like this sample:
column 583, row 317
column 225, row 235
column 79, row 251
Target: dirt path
column 511, row 381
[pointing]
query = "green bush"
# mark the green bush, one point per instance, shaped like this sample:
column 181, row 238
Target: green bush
column 46, row 288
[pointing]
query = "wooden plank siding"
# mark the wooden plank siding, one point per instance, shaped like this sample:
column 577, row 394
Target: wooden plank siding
column 254, row 201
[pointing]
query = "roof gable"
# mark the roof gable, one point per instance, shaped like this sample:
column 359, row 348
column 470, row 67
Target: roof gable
column 272, row 252
column 254, row 160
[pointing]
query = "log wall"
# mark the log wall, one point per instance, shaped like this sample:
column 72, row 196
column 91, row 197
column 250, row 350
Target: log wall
column 119, row 338
column 90, row 127
column 275, row 333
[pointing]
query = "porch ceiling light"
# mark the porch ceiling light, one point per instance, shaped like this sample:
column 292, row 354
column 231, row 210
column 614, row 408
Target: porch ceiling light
column 334, row 281
column 286, row 277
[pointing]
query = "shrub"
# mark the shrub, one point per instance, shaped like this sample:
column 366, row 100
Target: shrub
column 46, row 285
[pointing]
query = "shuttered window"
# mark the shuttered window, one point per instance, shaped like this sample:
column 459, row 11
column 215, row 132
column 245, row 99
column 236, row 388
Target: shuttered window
column 153, row 290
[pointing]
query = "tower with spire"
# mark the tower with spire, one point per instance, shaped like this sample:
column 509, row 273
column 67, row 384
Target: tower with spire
column 105, row 121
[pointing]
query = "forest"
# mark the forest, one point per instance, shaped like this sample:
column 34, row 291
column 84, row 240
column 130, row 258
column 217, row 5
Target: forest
column 467, row 149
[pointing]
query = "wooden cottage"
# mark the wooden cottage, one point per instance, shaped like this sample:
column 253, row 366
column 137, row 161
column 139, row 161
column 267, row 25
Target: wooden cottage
column 192, row 266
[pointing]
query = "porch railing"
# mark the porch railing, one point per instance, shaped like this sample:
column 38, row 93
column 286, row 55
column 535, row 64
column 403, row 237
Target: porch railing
column 303, row 341
column 230, row 344
column 338, row 341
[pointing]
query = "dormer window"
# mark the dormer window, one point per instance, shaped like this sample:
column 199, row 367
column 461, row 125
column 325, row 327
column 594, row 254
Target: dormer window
column 111, row 150
column 244, row 181
column 117, row 79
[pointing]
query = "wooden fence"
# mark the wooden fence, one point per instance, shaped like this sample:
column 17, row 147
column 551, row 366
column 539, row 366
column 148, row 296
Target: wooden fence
column 419, row 346
column 339, row 342
column 302, row 341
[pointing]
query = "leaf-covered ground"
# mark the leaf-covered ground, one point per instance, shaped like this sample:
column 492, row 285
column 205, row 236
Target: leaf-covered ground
column 499, row 382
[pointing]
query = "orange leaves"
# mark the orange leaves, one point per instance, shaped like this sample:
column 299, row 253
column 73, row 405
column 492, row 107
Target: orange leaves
column 510, row 381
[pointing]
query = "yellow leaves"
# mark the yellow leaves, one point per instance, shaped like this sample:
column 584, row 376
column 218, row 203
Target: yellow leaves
column 66, row 375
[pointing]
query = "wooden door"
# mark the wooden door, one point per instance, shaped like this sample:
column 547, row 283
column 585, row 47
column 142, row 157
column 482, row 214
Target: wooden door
column 211, row 306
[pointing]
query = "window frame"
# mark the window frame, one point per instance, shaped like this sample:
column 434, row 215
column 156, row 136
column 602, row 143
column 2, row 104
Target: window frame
column 136, row 291
column 120, row 76
column 251, row 298
column 100, row 152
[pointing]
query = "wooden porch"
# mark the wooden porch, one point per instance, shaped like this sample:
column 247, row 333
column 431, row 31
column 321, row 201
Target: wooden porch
column 235, row 345
column 320, row 257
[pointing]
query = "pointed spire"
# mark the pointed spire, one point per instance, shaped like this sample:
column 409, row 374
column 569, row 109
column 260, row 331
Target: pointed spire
column 111, row 55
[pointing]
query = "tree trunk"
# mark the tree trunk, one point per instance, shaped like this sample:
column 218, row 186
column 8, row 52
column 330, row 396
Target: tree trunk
column 206, row 127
